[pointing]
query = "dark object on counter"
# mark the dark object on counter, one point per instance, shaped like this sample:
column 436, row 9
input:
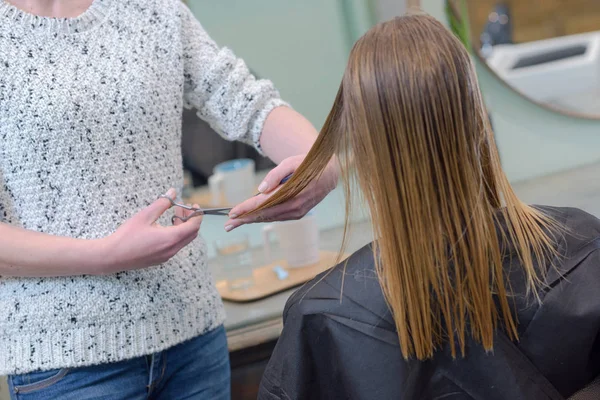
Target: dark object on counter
column 203, row 148
column 344, row 345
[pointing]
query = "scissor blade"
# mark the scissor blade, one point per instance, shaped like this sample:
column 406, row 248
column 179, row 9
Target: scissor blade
column 216, row 211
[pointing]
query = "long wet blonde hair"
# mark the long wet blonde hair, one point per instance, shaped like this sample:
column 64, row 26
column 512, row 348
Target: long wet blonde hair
column 409, row 126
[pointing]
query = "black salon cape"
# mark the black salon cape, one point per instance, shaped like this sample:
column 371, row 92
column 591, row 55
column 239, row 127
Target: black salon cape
column 347, row 348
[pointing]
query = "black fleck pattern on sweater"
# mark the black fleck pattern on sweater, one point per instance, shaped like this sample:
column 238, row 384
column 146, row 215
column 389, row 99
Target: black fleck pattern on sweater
column 90, row 126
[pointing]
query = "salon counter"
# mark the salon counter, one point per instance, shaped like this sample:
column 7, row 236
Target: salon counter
column 329, row 214
column 254, row 323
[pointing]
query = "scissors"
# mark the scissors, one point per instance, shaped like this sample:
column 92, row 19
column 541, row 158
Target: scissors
column 196, row 211
column 205, row 211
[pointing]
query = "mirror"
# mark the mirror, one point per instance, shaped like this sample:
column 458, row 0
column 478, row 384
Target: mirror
column 547, row 50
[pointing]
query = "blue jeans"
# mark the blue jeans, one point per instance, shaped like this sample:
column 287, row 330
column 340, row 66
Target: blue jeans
column 196, row 369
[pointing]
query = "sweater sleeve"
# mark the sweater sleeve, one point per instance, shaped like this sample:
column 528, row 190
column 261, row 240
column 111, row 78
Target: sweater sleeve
column 220, row 86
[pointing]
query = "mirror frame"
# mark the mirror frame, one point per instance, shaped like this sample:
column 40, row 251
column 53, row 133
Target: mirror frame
column 452, row 7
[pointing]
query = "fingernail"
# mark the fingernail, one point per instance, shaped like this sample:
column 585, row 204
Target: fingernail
column 170, row 193
column 228, row 228
column 233, row 216
column 263, row 186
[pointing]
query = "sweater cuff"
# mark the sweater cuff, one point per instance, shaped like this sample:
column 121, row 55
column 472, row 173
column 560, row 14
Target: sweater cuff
column 257, row 126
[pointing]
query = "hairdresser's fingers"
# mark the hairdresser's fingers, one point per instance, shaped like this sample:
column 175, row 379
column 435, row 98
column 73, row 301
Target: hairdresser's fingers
column 150, row 214
column 269, row 185
column 186, row 229
column 183, row 213
column 293, row 209
column 261, row 217
column 277, row 174
column 180, row 213
column 242, row 208
column 251, row 204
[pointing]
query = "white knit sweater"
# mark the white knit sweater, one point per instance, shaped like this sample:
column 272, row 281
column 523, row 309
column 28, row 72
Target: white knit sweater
column 90, row 130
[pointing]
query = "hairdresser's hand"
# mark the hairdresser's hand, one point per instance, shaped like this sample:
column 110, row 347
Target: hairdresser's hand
column 140, row 242
column 297, row 207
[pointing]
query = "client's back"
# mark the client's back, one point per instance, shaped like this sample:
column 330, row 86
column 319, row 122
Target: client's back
column 467, row 293
column 342, row 344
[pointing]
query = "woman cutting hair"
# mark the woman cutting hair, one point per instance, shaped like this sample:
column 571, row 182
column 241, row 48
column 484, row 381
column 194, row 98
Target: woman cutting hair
column 467, row 293
column 99, row 296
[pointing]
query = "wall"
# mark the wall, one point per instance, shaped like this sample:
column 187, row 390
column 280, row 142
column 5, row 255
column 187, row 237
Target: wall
column 386, row 9
column 435, row 8
column 302, row 46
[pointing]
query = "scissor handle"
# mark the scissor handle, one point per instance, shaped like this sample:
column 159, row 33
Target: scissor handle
column 185, row 219
column 196, row 211
column 175, row 204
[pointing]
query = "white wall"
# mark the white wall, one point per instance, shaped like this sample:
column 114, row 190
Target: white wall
column 436, row 8
column 386, row 9
column 302, row 46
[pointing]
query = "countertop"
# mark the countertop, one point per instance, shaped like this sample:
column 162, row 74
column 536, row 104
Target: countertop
column 254, row 323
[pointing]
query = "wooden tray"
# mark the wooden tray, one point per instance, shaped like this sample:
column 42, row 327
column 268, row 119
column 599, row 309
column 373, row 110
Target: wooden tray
column 267, row 284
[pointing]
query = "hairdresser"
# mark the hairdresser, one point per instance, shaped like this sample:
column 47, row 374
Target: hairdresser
column 100, row 295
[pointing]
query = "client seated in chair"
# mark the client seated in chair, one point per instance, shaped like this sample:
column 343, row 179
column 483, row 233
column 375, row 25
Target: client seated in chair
column 466, row 293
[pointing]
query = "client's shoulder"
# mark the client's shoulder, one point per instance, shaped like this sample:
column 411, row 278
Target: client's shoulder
column 578, row 227
column 577, row 237
column 334, row 282
column 351, row 287
column 571, row 216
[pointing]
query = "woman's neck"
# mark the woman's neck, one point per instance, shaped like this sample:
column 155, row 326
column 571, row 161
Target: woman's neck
column 53, row 8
